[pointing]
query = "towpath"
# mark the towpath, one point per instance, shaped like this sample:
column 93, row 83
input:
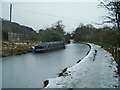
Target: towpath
column 96, row 70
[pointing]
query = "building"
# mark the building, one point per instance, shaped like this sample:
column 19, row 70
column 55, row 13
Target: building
column 13, row 36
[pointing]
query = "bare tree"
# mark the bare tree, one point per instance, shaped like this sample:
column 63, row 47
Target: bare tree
column 113, row 8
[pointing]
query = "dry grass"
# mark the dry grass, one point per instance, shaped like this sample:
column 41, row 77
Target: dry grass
column 12, row 48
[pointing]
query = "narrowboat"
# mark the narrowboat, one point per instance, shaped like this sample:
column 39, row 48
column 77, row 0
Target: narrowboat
column 48, row 46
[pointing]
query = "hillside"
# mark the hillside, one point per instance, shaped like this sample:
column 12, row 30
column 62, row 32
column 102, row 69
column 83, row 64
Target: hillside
column 14, row 27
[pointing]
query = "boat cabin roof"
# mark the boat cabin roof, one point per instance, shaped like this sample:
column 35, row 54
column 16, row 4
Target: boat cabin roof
column 49, row 43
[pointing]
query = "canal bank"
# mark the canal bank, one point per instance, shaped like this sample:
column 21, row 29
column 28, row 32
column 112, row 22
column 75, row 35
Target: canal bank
column 16, row 48
column 31, row 69
column 97, row 70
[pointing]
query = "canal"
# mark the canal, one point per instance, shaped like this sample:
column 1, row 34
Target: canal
column 30, row 70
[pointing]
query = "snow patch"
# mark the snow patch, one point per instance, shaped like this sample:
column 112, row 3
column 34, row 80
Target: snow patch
column 96, row 70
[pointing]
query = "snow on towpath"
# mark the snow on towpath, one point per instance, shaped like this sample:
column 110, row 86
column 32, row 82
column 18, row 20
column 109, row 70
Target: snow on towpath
column 96, row 70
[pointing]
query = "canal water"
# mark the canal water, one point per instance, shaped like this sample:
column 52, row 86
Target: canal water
column 30, row 70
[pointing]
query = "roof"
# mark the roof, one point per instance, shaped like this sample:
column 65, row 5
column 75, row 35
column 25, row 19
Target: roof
column 47, row 43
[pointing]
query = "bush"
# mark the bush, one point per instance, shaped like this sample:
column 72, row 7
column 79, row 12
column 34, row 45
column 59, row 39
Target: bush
column 51, row 35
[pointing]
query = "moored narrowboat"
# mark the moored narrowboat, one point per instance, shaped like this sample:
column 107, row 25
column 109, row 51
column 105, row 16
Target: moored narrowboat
column 48, row 46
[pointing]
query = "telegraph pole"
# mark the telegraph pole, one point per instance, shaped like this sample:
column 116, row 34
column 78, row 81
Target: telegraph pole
column 10, row 12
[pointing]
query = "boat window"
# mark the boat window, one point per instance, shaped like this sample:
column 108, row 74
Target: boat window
column 39, row 47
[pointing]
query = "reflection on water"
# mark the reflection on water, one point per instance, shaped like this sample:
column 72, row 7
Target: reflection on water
column 30, row 70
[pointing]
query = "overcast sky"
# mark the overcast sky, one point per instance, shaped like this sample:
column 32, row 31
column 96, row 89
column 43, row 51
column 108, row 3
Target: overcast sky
column 43, row 14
